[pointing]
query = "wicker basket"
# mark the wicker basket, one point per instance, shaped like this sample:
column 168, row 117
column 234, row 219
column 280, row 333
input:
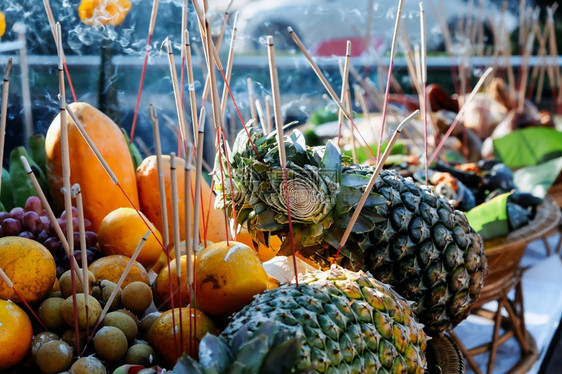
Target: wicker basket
column 556, row 190
column 505, row 253
column 444, row 356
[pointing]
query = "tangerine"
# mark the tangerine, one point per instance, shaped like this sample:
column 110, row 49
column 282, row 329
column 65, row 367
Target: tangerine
column 111, row 268
column 161, row 286
column 121, row 231
column 29, row 265
column 228, row 277
column 164, row 333
column 16, row 333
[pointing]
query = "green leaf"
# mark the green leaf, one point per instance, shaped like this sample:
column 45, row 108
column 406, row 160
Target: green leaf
column 185, row 365
column 214, row 353
column 490, row 218
column 6, row 196
column 332, row 157
column 251, row 355
column 281, row 359
column 529, row 146
column 538, row 179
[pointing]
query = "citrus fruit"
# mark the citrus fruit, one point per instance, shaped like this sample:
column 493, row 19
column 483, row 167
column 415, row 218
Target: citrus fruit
column 111, row 268
column 228, row 277
column 30, row 267
column 16, row 333
column 161, row 286
column 265, row 253
column 96, row 12
column 161, row 334
column 121, row 231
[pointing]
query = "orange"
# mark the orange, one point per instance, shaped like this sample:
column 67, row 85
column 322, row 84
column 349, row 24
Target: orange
column 104, row 12
column 121, row 231
column 2, row 24
column 228, row 277
column 111, row 268
column 161, row 286
column 264, row 252
column 161, row 334
column 149, row 198
column 30, row 267
column 16, row 333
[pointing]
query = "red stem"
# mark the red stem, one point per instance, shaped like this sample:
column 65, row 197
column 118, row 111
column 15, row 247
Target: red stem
column 141, row 83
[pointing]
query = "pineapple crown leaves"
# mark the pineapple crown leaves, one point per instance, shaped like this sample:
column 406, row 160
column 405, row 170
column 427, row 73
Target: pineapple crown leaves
column 269, row 350
column 323, row 189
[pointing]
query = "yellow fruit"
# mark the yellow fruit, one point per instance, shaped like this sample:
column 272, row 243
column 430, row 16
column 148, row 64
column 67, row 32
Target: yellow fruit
column 161, row 286
column 30, row 267
column 211, row 223
column 2, row 24
column 99, row 192
column 264, row 252
column 16, row 333
column 228, row 277
column 104, row 12
column 162, row 338
column 121, row 231
column 111, row 268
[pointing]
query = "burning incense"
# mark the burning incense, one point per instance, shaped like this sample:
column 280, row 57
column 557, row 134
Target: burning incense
column 153, row 15
column 189, row 250
column 191, row 83
column 229, row 66
column 50, row 214
column 268, row 115
column 160, row 168
column 19, row 28
column 261, row 117
column 345, row 77
column 281, row 142
column 185, row 137
column 252, row 101
column 4, row 111
column 371, row 183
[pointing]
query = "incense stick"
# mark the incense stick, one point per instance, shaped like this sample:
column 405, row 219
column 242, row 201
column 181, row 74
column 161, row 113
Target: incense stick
column 252, row 102
column 268, row 115
column 179, row 107
column 423, row 69
column 371, row 183
column 4, row 111
column 153, row 15
column 189, row 250
column 50, row 214
column 229, row 66
column 191, row 84
column 525, row 71
column 77, row 194
column 345, row 77
column 198, row 171
column 281, row 143
column 19, row 28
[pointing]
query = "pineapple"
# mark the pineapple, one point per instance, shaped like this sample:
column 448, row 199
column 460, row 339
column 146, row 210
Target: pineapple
column 335, row 321
column 406, row 235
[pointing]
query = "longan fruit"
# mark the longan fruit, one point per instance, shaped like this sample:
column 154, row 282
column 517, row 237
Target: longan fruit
column 39, row 340
column 137, row 297
column 147, row 322
column 66, row 284
column 50, row 312
column 94, row 311
column 110, row 343
column 140, row 354
column 123, row 322
column 106, row 288
column 88, row 365
column 54, row 356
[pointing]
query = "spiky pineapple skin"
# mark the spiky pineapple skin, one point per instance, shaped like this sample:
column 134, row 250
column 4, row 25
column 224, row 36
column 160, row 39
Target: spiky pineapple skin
column 347, row 322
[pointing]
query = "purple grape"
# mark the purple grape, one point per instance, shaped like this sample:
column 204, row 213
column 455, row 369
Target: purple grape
column 62, row 224
column 60, row 271
column 31, row 222
column 33, row 204
column 91, row 256
column 27, row 235
column 88, row 225
column 3, row 216
column 10, row 227
column 76, row 237
column 91, row 239
column 95, row 251
column 42, row 236
column 17, row 213
column 45, row 221
column 74, row 213
column 54, row 246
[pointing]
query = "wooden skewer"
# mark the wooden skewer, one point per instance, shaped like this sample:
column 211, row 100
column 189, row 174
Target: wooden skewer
column 263, row 120
column 198, row 171
column 352, row 130
column 214, row 90
column 160, row 167
column 179, row 107
column 191, row 84
column 189, row 250
column 77, row 194
column 345, row 77
column 4, row 111
column 50, row 214
column 251, row 99
column 229, row 66
column 525, row 71
column 371, row 183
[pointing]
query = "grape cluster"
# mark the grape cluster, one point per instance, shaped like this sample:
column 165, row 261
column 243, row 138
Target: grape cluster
column 32, row 222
